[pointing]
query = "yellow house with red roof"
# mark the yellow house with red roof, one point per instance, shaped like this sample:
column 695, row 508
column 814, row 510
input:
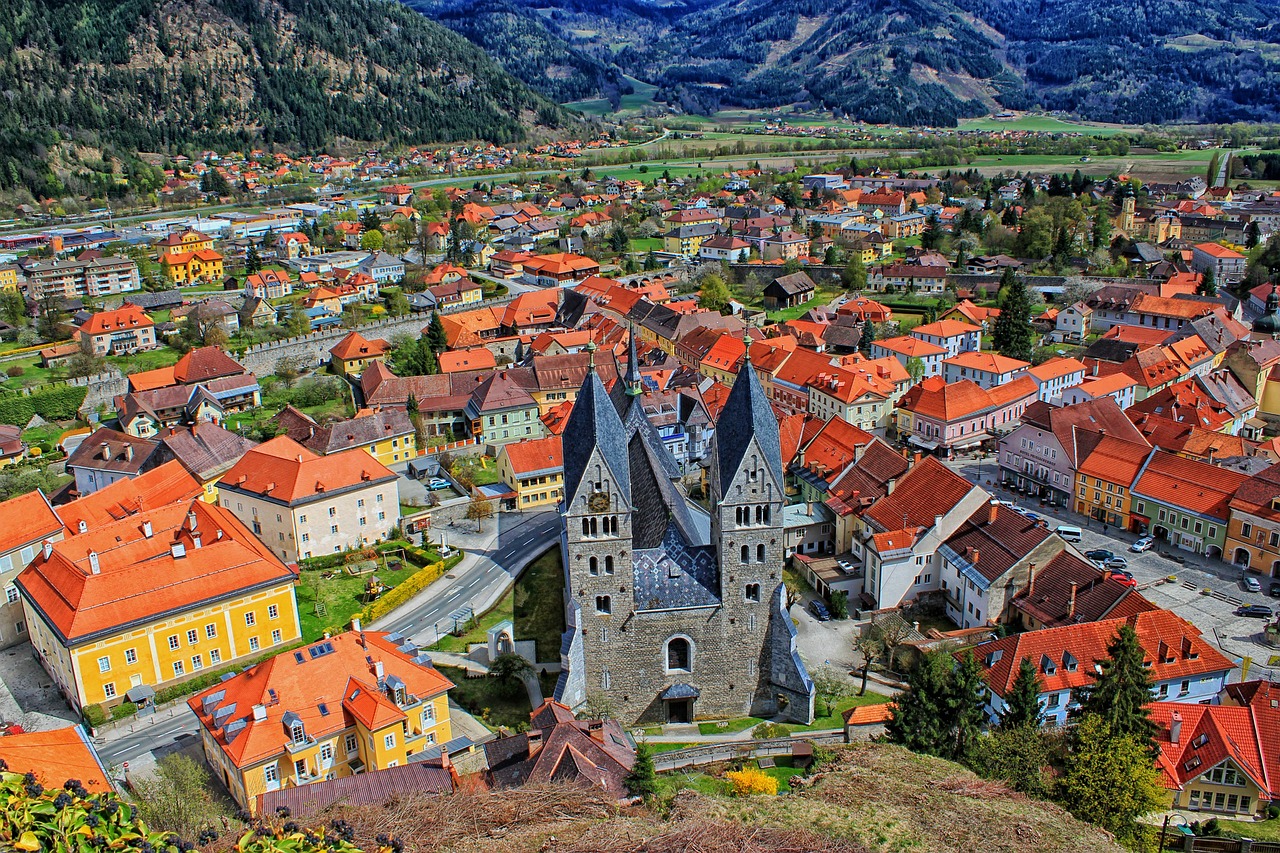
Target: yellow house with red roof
column 188, row 257
column 132, row 605
column 357, row 702
column 534, row 470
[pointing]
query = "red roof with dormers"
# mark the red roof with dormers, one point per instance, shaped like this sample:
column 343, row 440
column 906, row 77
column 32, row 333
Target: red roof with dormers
column 927, row 490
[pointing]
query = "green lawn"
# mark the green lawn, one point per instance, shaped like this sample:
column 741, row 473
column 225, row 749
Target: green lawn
column 822, row 297
column 784, row 772
column 479, row 469
column 728, row 727
column 539, row 605
column 1043, row 124
column 1267, row 830
column 646, row 244
column 657, row 748
column 835, row 720
column 492, row 702
column 479, row 632
column 32, row 373
column 341, row 595
column 695, row 780
column 147, row 360
column 641, row 97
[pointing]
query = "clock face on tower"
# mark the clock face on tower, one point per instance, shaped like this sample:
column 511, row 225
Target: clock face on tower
column 598, row 502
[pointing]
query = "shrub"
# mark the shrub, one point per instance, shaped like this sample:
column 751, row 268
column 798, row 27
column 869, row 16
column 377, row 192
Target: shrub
column 767, row 730
column 840, row 604
column 1273, row 811
column 94, row 715
column 749, row 782
column 15, row 371
column 124, row 709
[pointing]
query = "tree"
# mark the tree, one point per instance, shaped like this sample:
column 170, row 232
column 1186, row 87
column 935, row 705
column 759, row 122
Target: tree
column 830, row 686
column 642, row 780
column 178, row 797
column 1021, row 756
column 966, row 700
column 50, row 325
column 918, row 715
column 854, row 275
column 867, row 339
column 1100, row 236
column 436, row 337
column 868, row 645
column 915, row 368
column 397, row 303
column 1121, row 691
column 252, row 261
column 511, row 669
column 1035, row 235
column 478, row 510
column 715, row 295
column 931, row 237
column 297, row 322
column 619, row 241
column 13, row 308
column 1252, row 234
column 1208, row 285
column 1013, row 333
column 372, row 241
column 413, row 357
column 1110, row 779
column 1022, row 705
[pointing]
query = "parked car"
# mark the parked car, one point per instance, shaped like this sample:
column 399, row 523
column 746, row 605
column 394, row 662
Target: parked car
column 437, row 483
column 1255, row 611
column 1099, row 555
column 1274, row 589
column 1116, row 563
column 1123, row 577
column 819, row 610
column 1251, row 584
column 1143, row 544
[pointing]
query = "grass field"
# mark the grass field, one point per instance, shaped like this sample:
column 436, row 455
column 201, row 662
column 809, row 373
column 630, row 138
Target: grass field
column 1159, row 166
column 1043, row 124
column 341, row 595
column 1267, row 830
column 639, row 99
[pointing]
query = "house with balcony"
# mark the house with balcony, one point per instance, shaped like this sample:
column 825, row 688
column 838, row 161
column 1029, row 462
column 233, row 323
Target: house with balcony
column 939, row 416
column 126, row 329
column 358, row 702
column 952, row 335
column 1181, row 664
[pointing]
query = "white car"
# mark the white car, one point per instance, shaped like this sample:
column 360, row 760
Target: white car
column 1251, row 584
column 1143, row 544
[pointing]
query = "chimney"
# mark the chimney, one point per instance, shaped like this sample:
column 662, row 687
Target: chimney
column 178, row 550
column 146, row 529
column 355, row 624
column 1071, row 606
column 533, row 738
column 128, row 451
column 106, row 452
column 1175, row 728
column 259, row 713
column 915, row 458
column 595, row 728
column 93, row 563
column 191, row 519
column 82, row 526
column 47, row 549
column 378, row 671
column 993, row 507
column 937, row 522
column 1031, row 579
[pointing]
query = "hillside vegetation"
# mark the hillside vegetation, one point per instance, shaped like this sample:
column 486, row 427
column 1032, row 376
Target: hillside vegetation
column 916, row 61
column 87, row 80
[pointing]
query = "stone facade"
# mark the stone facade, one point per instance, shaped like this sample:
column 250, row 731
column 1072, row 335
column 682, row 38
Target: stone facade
column 674, row 616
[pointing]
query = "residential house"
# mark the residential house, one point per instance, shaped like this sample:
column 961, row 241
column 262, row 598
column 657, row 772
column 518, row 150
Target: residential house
column 357, row 702
column 904, row 226
column 441, row 398
column 206, row 451
column 388, row 435
column 224, row 378
column 460, row 291
column 808, row 528
column 292, row 244
column 534, row 471
column 1073, row 323
column 987, row 369
column 383, row 268
column 191, row 266
column 1069, row 590
column 268, row 284
column 124, row 330
column 91, row 278
column 910, row 278
column 909, row 348
column 687, row 240
column 145, row 413
column 1253, row 362
column 787, row 291
column 501, row 411
column 301, row 504
column 560, row 269
column 1212, row 758
column 1253, row 527
column 936, row 415
column 108, row 456
column 724, row 247
column 965, row 311
column 462, row 361
column 784, row 245
column 1183, row 665
column 1185, row 502
column 1120, row 387
column 1226, row 264
column 351, row 355
column 12, row 448
column 1055, row 376
column 26, row 522
column 126, row 607
column 1105, row 474
column 558, row 748
column 952, row 335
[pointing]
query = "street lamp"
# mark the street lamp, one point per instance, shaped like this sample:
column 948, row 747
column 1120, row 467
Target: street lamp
column 1181, row 821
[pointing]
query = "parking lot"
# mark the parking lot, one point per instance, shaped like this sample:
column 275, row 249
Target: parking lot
column 1213, row 613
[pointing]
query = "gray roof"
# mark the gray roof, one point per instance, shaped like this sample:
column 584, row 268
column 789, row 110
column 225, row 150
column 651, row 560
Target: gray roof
column 594, row 422
column 746, row 415
column 675, row 574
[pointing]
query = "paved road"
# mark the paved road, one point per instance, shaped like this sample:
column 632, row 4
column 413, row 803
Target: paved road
column 1220, row 179
column 168, row 729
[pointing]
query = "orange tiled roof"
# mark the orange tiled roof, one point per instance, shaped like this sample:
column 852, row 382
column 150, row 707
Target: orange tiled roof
column 326, row 691
column 25, row 520
column 126, row 317
column 355, row 345
column 945, row 329
column 56, row 757
column 1207, row 735
column 539, row 454
column 911, row 347
column 142, row 575
column 1056, row 368
column 457, row 361
column 989, row 362
column 1188, row 484
column 285, row 471
column 166, row 484
column 927, row 490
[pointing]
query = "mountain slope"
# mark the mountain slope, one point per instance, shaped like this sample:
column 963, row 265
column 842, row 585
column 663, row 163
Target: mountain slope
column 932, row 61
column 157, row 75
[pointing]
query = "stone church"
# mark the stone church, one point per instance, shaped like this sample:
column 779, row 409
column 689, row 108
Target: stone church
column 675, row 614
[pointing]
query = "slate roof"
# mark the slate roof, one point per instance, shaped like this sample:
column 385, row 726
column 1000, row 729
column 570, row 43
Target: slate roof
column 594, row 422
column 746, row 415
column 675, row 574
column 90, row 453
column 993, row 547
column 363, row 789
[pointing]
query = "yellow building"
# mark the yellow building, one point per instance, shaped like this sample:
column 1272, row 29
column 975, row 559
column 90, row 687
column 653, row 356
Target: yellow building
column 9, row 277
column 190, row 267
column 388, row 435
column 687, row 239
column 128, row 606
column 534, row 470
column 354, row 703
column 184, row 243
column 1104, row 479
column 351, row 355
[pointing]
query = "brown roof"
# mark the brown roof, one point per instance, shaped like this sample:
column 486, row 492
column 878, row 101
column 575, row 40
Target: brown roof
column 110, row 450
column 559, row 748
column 929, row 489
column 1097, row 595
column 375, row 788
column 995, row 546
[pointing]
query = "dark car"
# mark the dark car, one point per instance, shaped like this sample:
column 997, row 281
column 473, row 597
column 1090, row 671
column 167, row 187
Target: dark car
column 1274, row 589
column 819, row 610
column 1099, row 555
column 1255, row 611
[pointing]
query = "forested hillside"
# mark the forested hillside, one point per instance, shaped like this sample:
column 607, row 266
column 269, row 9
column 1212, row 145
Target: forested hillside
column 102, row 78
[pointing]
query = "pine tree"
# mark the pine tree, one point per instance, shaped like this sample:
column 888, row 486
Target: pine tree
column 868, row 338
column 1022, row 705
column 1208, row 285
column 918, row 714
column 1121, row 692
column 436, row 337
column 966, row 700
column 642, row 781
column 1012, row 333
column 252, row 261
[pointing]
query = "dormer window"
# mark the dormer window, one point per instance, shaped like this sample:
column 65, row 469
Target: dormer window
column 1069, row 661
column 297, row 733
column 1047, row 666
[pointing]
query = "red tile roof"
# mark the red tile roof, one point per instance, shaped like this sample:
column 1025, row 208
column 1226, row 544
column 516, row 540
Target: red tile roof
column 166, row 484
column 532, row 456
column 945, row 329
column 139, row 578
column 929, row 489
column 56, row 757
column 1208, row 734
column 1188, row 484
column 26, row 520
column 127, row 316
column 1172, row 645
column 285, row 471
column 355, row 345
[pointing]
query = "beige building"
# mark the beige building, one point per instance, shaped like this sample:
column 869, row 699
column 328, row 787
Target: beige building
column 25, row 523
column 303, row 505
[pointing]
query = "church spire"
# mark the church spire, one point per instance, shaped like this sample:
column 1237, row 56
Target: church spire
column 634, row 382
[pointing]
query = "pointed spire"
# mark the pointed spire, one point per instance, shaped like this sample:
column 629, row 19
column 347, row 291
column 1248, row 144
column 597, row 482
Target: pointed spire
column 634, row 382
column 591, row 355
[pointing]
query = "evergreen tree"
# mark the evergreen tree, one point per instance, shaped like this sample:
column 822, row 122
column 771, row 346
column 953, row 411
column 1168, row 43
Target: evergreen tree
column 1121, row 692
column 1110, row 780
column 868, row 338
column 1012, row 333
column 1022, row 705
column 918, row 714
column 252, row 261
column 854, row 275
column 966, row 698
column 1101, row 234
column 436, row 337
column 413, row 358
column 1022, row 757
column 1252, row 233
column 642, row 781
column 1208, row 286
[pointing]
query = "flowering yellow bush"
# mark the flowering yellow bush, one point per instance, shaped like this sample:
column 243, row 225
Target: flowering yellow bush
column 744, row 783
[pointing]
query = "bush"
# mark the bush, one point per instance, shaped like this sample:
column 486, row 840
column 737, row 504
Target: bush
column 840, row 604
column 749, row 782
column 94, row 715
column 767, row 731
column 53, row 403
column 15, row 371
column 1273, row 811
column 124, row 709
